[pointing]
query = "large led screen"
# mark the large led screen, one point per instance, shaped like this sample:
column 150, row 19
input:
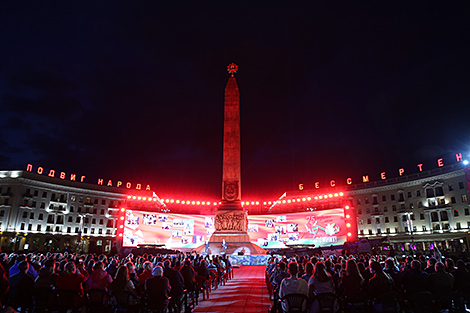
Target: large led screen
column 180, row 231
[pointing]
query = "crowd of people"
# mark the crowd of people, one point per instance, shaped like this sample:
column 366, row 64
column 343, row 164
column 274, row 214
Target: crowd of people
column 370, row 282
column 160, row 280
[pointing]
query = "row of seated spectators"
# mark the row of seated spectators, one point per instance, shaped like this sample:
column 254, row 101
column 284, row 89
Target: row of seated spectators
column 371, row 281
column 124, row 281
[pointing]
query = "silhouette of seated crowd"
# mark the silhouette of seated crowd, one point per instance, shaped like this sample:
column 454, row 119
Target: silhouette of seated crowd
column 63, row 281
column 368, row 283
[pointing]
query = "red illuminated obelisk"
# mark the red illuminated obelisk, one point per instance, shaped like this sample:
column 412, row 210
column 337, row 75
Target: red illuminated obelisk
column 231, row 220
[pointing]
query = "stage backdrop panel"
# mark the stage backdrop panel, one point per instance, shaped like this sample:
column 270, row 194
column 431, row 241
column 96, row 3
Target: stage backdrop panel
column 181, row 231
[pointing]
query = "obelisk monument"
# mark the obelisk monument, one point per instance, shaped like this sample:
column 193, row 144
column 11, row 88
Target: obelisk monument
column 231, row 221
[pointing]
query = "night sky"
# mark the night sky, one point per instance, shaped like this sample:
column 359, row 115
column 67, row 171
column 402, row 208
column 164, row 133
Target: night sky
column 134, row 90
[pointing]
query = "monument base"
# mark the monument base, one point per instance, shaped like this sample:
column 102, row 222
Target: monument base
column 237, row 242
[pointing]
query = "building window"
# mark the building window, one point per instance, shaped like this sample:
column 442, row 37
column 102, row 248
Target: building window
column 394, row 207
column 25, row 214
column 72, row 209
column 401, row 198
column 452, row 200
column 41, row 217
column 439, row 191
column 100, row 231
column 79, row 210
column 359, row 211
column 411, row 206
column 48, row 228
column 110, row 223
column 70, row 219
column 451, row 187
column 388, row 230
column 102, row 211
column 392, row 197
column 374, row 200
column 468, row 224
column 406, row 229
column 44, row 194
column 85, row 230
column 38, row 228
column 77, row 219
column 362, row 232
column 386, row 219
column 358, row 201
column 404, row 218
column 370, row 231
column 402, row 206
column 369, row 221
column 379, row 231
column 6, row 201
column 93, row 221
column 50, row 218
column 420, row 204
column 409, row 194
column 444, row 216
column 466, row 211
column 76, row 230
column 57, row 229
column 103, row 202
column 2, row 213
column 429, row 193
column 96, row 201
column 31, row 215
column 43, row 205
column 101, row 222
column 385, row 209
column 434, row 217
column 457, row 225
column 395, row 219
column 396, row 230
column 421, row 216
column 418, row 193
column 22, row 226
column 461, row 185
column 377, row 220
column 69, row 230
column 384, row 198
column 464, row 198
column 456, row 213
column 366, row 201
column 424, row 227
column 92, row 230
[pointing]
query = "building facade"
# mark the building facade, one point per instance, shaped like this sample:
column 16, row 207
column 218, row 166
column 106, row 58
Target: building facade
column 38, row 213
column 416, row 212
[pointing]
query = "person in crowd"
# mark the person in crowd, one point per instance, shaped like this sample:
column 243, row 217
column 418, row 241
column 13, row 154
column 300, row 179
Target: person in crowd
column 292, row 284
column 112, row 268
column 381, row 282
column 414, row 280
column 392, row 270
column 14, row 268
column 189, row 275
column 99, row 278
column 321, row 281
column 47, row 277
column 132, row 274
column 450, row 266
column 72, row 279
column 441, row 283
column 352, row 283
column 157, row 289
column 122, row 286
column 4, row 284
column 461, row 278
column 308, row 271
column 147, row 267
column 431, row 268
column 176, row 281
column 279, row 274
column 20, row 293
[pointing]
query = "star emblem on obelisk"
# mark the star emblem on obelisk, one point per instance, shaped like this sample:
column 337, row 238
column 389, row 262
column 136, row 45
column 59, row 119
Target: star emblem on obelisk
column 232, row 68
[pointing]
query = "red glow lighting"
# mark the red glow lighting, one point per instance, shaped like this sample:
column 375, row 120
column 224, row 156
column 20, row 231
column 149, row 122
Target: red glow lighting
column 134, row 197
column 349, row 234
column 120, row 235
column 122, row 218
column 347, row 207
column 128, row 197
column 348, row 216
column 123, row 210
column 348, row 224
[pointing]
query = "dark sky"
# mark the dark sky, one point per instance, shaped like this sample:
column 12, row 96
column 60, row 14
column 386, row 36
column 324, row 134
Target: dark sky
column 134, row 90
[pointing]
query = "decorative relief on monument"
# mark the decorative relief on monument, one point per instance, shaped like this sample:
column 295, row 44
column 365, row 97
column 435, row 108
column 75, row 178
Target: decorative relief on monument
column 231, row 220
column 231, row 191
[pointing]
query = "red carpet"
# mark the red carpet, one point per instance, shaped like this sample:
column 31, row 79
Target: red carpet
column 246, row 292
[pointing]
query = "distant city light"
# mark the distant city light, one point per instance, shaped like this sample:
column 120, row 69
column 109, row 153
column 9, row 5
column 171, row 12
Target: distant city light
column 465, row 162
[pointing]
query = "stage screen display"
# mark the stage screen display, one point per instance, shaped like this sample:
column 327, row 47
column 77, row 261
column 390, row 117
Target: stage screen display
column 181, row 231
